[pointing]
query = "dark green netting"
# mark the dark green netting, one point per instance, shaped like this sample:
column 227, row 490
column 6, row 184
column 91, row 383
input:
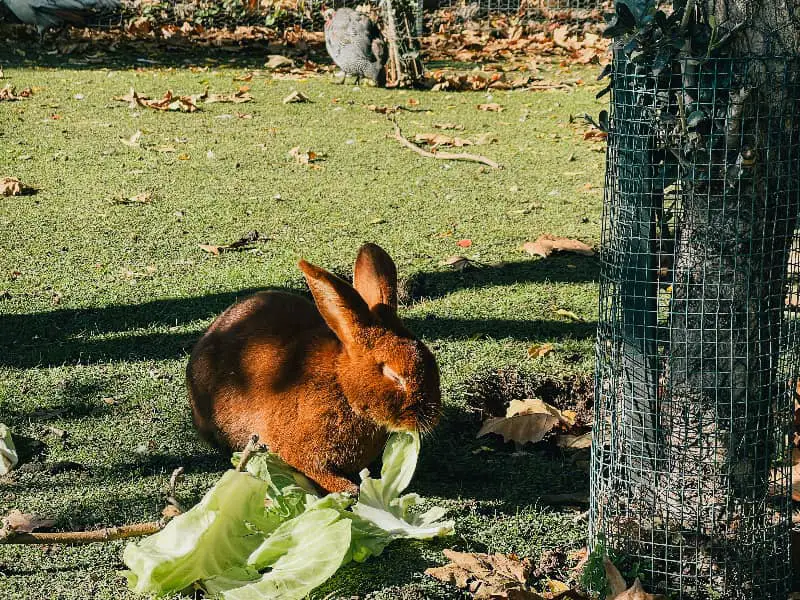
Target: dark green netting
column 697, row 349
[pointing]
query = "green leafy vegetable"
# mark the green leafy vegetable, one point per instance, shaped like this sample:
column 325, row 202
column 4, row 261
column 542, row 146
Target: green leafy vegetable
column 379, row 500
column 270, row 518
column 8, row 452
column 218, row 533
column 309, row 561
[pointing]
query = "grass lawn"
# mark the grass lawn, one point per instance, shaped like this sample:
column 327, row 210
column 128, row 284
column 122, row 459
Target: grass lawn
column 103, row 300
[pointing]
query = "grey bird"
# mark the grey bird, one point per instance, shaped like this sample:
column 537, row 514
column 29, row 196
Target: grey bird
column 45, row 14
column 356, row 45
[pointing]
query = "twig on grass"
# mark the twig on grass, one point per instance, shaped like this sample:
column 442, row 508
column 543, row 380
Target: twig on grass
column 82, row 537
column 398, row 135
column 8, row 535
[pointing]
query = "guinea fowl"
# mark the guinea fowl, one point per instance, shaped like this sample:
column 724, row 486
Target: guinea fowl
column 44, row 14
column 356, row 45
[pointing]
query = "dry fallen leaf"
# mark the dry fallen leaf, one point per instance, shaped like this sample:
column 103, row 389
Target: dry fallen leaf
column 276, row 61
column 306, row 157
column 238, row 97
column 620, row 591
column 132, row 141
column 383, row 109
column 540, row 350
column 796, row 474
column 464, row 243
column 438, row 139
column 143, row 198
column 296, row 97
column 568, row 314
column 491, row 107
column 168, row 102
column 526, row 421
column 244, row 243
column 24, row 522
column 453, row 126
column 595, row 135
column 11, row 186
column 546, row 244
column 9, row 94
column 574, row 442
column 457, row 263
column 486, row 576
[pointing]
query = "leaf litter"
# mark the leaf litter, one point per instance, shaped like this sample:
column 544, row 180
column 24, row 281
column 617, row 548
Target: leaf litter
column 11, row 186
column 246, row 242
column 9, row 94
column 547, row 244
column 170, row 102
column 495, row 577
column 528, row 420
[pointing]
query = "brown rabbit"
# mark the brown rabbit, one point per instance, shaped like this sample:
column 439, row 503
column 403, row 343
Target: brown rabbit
column 321, row 385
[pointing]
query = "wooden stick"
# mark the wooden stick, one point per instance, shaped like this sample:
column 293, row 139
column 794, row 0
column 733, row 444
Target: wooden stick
column 398, row 135
column 84, row 537
column 107, row 534
column 252, row 446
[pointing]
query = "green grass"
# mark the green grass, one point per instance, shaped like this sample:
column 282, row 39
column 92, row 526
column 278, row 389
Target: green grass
column 106, row 299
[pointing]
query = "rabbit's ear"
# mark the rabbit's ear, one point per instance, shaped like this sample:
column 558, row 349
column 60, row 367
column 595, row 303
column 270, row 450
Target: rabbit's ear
column 375, row 277
column 340, row 305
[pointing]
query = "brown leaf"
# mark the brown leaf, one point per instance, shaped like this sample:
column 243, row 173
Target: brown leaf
column 438, row 139
column 9, row 94
column 296, row 97
column 620, row 591
column 276, row 61
column 25, row 522
column 487, row 576
column 383, row 109
column 525, row 421
column 239, row 97
column 244, row 243
column 210, row 248
column 546, row 244
column 304, row 157
column 574, row 442
column 168, row 102
column 562, row 39
column 540, row 350
column 457, row 263
column 143, row 198
column 568, row 314
column 796, row 474
column 595, row 135
column 491, row 107
column 448, row 126
column 11, row 186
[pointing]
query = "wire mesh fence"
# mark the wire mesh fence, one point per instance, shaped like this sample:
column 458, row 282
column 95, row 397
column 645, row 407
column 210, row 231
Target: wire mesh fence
column 697, row 349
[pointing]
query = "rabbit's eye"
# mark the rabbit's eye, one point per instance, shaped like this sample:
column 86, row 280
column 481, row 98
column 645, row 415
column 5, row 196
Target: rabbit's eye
column 390, row 373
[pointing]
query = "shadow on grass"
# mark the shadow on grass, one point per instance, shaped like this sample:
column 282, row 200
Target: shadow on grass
column 103, row 49
column 455, row 465
column 124, row 332
column 437, row 284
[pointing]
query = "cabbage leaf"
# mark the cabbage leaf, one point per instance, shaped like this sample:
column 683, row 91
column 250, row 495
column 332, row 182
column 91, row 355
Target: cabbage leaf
column 8, row 452
column 215, row 535
column 265, row 534
column 379, row 500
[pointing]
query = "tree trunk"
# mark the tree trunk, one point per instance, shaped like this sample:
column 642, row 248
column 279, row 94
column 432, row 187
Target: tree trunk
column 726, row 384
